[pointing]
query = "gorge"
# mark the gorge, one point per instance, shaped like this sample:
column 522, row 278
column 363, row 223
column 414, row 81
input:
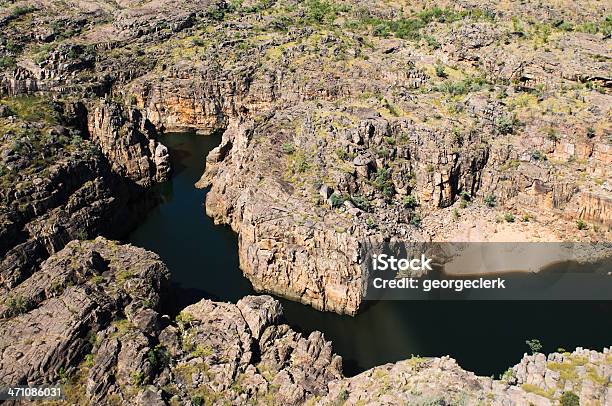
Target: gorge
column 202, row 259
column 189, row 190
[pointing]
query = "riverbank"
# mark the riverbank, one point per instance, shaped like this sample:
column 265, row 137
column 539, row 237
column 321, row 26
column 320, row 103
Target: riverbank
column 202, row 258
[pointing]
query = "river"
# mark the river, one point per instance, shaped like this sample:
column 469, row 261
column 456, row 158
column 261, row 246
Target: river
column 484, row 337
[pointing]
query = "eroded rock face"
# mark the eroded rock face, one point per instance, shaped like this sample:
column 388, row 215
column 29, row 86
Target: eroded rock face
column 58, row 186
column 92, row 312
column 537, row 380
column 339, row 134
column 127, row 139
column 222, row 356
column 51, row 319
column 415, row 130
column 91, row 318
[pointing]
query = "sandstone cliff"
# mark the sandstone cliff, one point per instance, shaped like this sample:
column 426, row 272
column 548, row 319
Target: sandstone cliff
column 92, row 319
column 347, row 123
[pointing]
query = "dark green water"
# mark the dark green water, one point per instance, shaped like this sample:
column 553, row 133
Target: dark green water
column 485, row 337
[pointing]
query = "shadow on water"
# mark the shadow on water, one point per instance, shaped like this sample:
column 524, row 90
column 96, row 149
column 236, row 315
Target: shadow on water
column 201, row 255
column 485, row 337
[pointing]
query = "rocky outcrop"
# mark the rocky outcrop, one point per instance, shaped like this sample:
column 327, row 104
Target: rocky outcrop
column 536, row 380
column 56, row 187
column 596, row 208
column 128, row 141
column 51, row 319
column 92, row 313
column 200, row 97
column 92, row 318
column 344, row 127
column 243, row 353
column 314, row 254
column 418, row 122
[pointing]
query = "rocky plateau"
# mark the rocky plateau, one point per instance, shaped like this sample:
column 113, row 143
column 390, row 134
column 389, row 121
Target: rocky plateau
column 345, row 125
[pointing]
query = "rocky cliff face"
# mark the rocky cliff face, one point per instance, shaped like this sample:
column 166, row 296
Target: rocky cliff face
column 336, row 141
column 355, row 122
column 128, row 141
column 346, row 124
column 57, row 185
column 91, row 318
column 583, row 376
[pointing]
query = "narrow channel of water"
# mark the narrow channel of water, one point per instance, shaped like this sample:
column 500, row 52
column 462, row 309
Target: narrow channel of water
column 485, row 337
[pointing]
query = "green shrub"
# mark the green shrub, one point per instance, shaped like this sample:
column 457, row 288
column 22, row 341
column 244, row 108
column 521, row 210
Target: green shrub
column 408, row 28
column 137, row 378
column 581, row 224
column 89, row 360
column 490, row 200
column 552, row 135
column 590, row 133
column 198, row 42
column 288, row 148
column 342, row 154
column 507, row 375
column 432, row 42
column 7, row 62
column 415, row 220
column 361, row 202
column 604, row 27
column 16, row 305
column 383, row 152
column 22, row 10
column 537, row 155
column 563, row 25
column 506, row 125
column 13, row 47
column 534, row 345
column 569, row 398
column 509, row 217
column 462, row 87
column 382, row 182
column 336, row 200
column 441, row 15
column 440, row 72
column 300, row 164
column 158, row 357
column 216, row 14
column 410, row 202
column 320, row 11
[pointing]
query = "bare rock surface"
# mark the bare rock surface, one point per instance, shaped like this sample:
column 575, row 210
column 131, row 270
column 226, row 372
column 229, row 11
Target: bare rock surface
column 51, row 318
column 451, row 121
column 91, row 318
column 345, row 124
column 537, row 380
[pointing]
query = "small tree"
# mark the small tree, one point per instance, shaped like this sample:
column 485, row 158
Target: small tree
column 410, row 202
column 569, row 398
column 440, row 72
column 534, row 345
column 336, row 200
